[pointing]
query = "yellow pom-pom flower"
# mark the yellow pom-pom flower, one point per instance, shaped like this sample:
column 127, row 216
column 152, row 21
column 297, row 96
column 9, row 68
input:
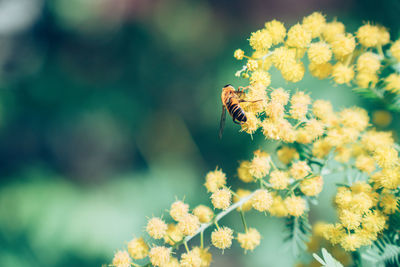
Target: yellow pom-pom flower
column 244, row 172
column 356, row 118
column 278, row 208
column 159, row 255
column 249, row 240
column 156, row 228
column 351, row 242
column 321, row 71
column 277, row 31
column 178, row 210
column 238, row 54
column 222, row 238
column 299, row 170
column 279, row 179
column 252, row 65
column 260, row 165
column 287, row 154
column 280, row 96
column 260, row 77
column 349, row 219
column 314, row 23
column 298, row 36
column 189, row 224
column 312, row 186
column 241, row 193
column 393, row 83
column 342, row 73
column 260, row 40
column 283, row 56
column 368, row 35
column 368, row 62
column 365, row 163
column 191, row 259
column 173, row 234
column 366, row 79
column 331, row 30
column 343, row 45
column 204, row 213
column 215, row 180
column 395, row 50
column 137, row 248
column 262, row 200
column 293, row 72
column 221, row 199
column 121, row 259
column 389, row 203
column 319, row 53
column 295, row 205
column 205, row 256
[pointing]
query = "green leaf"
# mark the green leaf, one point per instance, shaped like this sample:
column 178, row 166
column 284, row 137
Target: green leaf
column 299, row 231
column 384, row 250
column 327, row 260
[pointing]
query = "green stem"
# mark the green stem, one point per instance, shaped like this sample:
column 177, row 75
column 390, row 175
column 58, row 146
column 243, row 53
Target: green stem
column 202, row 240
column 243, row 220
column 186, row 246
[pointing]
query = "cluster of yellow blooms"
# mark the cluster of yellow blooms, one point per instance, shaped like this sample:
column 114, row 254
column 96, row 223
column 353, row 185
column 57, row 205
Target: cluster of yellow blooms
column 312, row 134
column 332, row 53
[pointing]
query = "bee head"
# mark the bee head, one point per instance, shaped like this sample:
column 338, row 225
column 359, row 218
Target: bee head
column 227, row 85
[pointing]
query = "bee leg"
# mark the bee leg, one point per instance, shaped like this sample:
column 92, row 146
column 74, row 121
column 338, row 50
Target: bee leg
column 237, row 122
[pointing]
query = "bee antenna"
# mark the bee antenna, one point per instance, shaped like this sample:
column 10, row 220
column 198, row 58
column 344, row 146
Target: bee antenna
column 228, row 85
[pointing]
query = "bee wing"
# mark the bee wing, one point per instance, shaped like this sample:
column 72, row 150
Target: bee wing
column 222, row 122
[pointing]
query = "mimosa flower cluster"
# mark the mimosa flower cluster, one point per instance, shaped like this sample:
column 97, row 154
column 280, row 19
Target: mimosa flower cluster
column 310, row 136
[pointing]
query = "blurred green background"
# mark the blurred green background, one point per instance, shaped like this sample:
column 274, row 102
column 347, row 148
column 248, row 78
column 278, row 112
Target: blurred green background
column 109, row 109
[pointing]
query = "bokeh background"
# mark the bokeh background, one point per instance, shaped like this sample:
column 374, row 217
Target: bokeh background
column 109, row 109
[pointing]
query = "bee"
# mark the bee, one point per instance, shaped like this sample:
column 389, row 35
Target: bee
column 230, row 101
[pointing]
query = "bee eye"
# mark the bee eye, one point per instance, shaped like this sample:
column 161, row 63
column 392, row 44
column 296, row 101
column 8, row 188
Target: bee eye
column 227, row 85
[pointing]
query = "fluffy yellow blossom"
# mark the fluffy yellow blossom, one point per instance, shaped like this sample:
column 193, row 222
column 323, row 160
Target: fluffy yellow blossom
column 239, row 54
column 205, row 256
column 215, row 180
column 222, row 238
column 350, row 242
column 387, row 178
column 279, row 179
column 386, row 157
column 342, row 74
column 373, row 140
column 299, row 105
column 393, row 83
column 314, row 23
column 382, row 118
column 349, row 219
column 354, row 117
column 252, row 123
column 283, row 56
column 178, row 210
column 137, row 248
column 321, row 148
column 366, row 79
column 298, row 36
column 312, row 186
column 319, row 53
column 241, row 193
column 368, row 35
column 204, row 213
column 334, row 233
column 252, row 65
column 343, row 154
column 343, row 45
column 260, row 165
column 280, row 96
column 299, row 169
column 374, row 221
column 260, row 77
column 395, row 50
column 189, row 224
column 173, row 234
column 293, row 72
column 331, row 30
column 275, row 110
column 244, row 172
column 389, row 203
column 321, row 71
column 260, row 40
column 287, row 154
column 365, row 163
column 221, row 199
column 159, row 255
column 314, row 128
column 322, row 109
column 191, row 259
column 295, row 205
column 368, row 62
column 249, row 240
column 156, row 228
column 278, row 208
column 277, row 31
column 173, row 262
column 384, row 36
column 262, row 200
column 121, row 259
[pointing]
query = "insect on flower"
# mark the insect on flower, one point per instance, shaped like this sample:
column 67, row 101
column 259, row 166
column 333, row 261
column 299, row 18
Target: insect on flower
column 230, row 101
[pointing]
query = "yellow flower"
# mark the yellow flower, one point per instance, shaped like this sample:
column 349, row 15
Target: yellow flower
column 189, row 224
column 298, row 36
column 368, row 35
column 205, row 256
column 382, row 118
column 321, row 71
column 244, row 172
column 319, row 53
column 368, row 62
column 331, row 30
column 283, row 56
column 191, row 259
column 252, row 123
column 299, row 170
column 372, row 140
column 249, row 240
column 252, row 65
column 395, row 50
column 356, row 118
column 260, row 165
column 173, row 262
column 393, row 83
column 349, row 219
column 277, row 31
column 387, row 178
column 275, row 110
column 221, row 199
column 178, row 210
column 222, row 238
column 314, row 128
column 215, row 180
column 293, row 72
column 279, row 179
column 138, row 249
column 321, row 148
column 384, row 36
column 287, row 154
column 299, row 105
column 204, row 213
column 350, row 242
column 389, row 203
column 365, row 163
column 278, row 207
column 314, row 23
column 386, row 157
column 295, row 205
column 334, row 233
column 121, row 259
column 260, row 77
column 280, row 96
column 156, row 228
column 366, row 79
column 241, row 193
column 173, row 234
column 261, row 200
column 239, row 54
column 312, row 186
column 374, row 221
column 159, row 255
column 260, row 40
column 342, row 74
column 343, row 45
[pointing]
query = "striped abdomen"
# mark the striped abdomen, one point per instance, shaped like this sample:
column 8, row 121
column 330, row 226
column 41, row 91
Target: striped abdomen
column 236, row 111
